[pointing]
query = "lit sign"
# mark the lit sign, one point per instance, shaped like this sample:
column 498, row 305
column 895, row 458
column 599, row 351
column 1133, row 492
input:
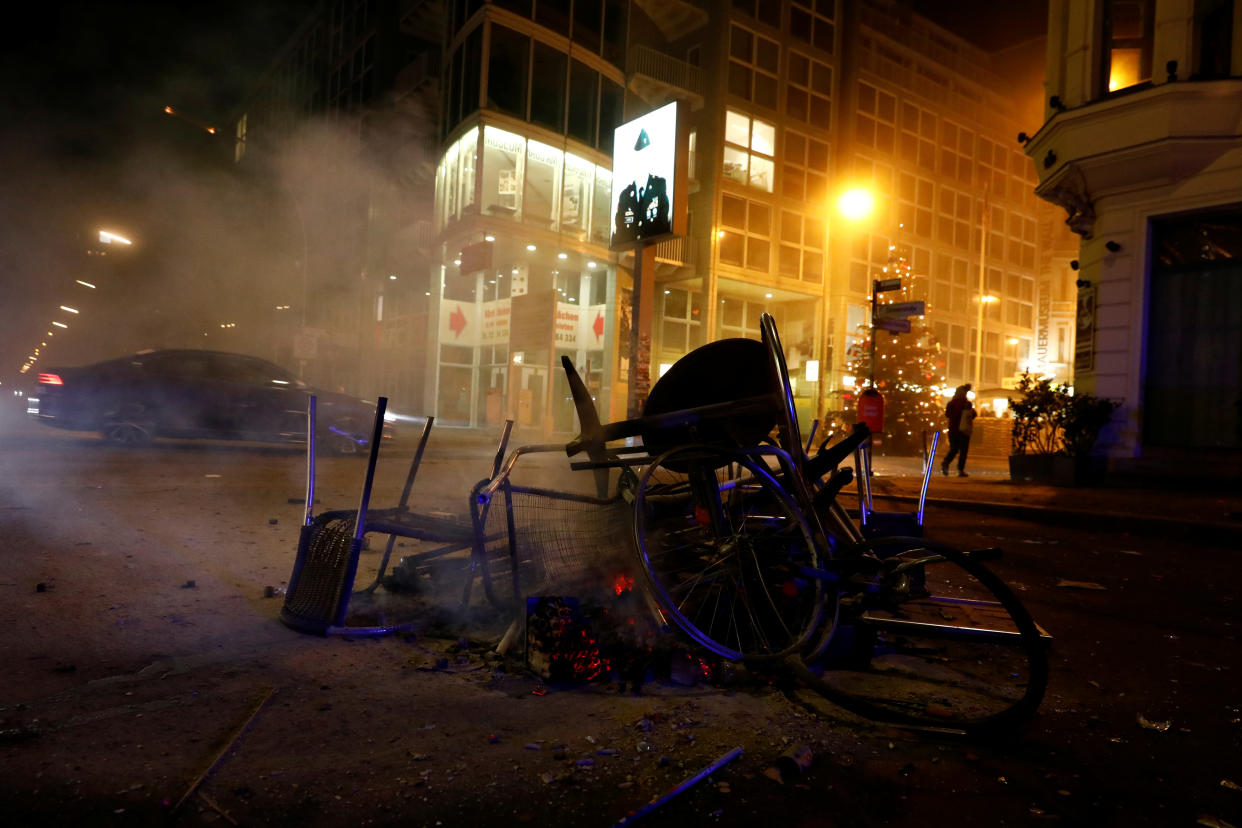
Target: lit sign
column 648, row 178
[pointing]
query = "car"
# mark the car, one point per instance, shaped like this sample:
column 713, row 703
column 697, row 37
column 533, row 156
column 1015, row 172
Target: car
column 199, row 395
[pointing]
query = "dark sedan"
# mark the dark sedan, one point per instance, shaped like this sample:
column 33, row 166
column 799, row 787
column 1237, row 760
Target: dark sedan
column 196, row 394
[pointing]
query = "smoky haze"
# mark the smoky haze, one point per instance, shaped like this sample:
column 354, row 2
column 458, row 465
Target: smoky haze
column 87, row 146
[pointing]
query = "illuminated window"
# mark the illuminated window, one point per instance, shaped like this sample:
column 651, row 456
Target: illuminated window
column 1128, row 27
column 750, row 145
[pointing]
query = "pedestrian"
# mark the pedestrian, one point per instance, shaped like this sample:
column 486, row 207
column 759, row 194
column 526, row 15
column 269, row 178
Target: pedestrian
column 961, row 415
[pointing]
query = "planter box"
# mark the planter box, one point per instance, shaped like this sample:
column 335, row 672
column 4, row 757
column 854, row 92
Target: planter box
column 1056, row 469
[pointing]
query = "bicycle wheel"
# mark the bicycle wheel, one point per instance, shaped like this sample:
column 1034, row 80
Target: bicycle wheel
column 929, row 635
column 724, row 548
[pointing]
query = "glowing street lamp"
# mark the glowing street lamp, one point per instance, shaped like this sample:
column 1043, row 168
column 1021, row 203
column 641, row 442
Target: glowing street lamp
column 112, row 238
column 854, row 204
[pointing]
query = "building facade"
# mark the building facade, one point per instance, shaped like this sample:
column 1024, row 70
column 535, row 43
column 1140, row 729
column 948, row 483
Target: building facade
column 789, row 102
column 1143, row 150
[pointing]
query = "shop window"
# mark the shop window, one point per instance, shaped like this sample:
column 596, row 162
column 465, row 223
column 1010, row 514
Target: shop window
column 601, row 207
column 576, row 193
column 468, row 152
column 542, row 163
column 503, row 158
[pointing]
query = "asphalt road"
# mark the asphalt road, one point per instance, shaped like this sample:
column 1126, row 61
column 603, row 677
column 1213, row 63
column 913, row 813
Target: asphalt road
column 147, row 678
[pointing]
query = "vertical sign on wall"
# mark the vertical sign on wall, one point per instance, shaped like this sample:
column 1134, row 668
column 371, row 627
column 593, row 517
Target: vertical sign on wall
column 1084, row 338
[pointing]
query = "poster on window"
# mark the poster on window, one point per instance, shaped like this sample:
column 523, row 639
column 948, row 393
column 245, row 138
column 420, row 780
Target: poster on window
column 648, row 178
column 625, row 312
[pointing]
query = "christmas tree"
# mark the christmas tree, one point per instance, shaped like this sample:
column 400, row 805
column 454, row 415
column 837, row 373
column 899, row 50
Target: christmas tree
column 908, row 368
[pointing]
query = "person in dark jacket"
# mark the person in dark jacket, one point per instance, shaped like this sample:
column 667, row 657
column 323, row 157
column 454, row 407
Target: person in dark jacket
column 961, row 415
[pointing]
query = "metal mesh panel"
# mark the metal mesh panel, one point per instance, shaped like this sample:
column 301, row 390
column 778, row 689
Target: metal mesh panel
column 317, row 585
column 565, row 543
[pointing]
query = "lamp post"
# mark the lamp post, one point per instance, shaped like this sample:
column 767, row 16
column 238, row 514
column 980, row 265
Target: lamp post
column 854, row 205
column 984, row 299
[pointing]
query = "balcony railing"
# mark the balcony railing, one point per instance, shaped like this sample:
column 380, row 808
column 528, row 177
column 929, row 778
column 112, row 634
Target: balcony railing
column 678, row 251
column 668, row 70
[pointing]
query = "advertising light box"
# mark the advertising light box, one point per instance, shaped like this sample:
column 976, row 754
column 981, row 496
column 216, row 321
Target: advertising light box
column 649, row 178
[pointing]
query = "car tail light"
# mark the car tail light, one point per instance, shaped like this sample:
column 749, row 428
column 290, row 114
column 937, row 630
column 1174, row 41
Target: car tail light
column 50, row 379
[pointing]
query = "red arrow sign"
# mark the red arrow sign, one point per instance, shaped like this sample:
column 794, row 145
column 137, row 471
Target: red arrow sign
column 457, row 321
column 598, row 325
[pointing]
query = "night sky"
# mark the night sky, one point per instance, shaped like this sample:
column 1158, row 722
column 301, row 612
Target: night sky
column 85, row 144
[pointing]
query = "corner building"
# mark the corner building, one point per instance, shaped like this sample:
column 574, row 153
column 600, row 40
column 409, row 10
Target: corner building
column 1142, row 148
column 531, row 96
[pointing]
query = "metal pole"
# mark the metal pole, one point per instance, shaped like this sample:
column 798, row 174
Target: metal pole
column 983, row 253
column 825, row 273
column 310, row 460
column 875, row 292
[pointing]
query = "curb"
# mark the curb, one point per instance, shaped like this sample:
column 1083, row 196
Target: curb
column 1222, row 534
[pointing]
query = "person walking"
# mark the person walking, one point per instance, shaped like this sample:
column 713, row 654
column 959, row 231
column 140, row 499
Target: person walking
column 961, row 415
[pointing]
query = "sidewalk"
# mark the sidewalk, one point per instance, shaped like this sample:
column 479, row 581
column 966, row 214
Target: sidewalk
column 1207, row 515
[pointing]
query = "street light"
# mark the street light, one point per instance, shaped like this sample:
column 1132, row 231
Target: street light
column 853, row 204
column 109, row 238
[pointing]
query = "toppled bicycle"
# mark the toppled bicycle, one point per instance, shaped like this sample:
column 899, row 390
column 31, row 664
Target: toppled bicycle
column 742, row 539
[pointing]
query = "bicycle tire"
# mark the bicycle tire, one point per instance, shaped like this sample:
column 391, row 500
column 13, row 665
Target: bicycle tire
column 966, row 657
column 724, row 548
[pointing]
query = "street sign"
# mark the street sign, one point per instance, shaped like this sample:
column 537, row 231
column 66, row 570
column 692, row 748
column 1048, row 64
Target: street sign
column 894, row 325
column 901, row 309
column 882, row 285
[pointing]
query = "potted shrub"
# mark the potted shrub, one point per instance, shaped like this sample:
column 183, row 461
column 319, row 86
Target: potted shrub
column 1054, row 432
